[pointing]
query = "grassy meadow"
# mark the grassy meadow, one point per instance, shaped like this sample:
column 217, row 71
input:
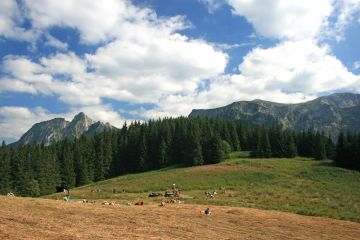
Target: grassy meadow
column 299, row 185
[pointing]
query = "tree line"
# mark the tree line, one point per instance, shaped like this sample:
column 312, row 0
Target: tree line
column 348, row 151
column 34, row 170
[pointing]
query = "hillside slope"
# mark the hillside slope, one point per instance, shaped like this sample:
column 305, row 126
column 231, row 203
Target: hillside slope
column 24, row 218
column 298, row 185
column 331, row 114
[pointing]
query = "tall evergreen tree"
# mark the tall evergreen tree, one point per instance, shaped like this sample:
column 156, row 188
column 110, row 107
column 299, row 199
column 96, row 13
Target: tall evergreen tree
column 192, row 148
column 22, row 172
column 215, row 152
column 68, row 175
column 234, row 138
column 142, row 153
column 47, row 169
column 263, row 148
column 290, row 149
column 319, row 147
column 5, row 170
column 81, row 168
column 162, row 156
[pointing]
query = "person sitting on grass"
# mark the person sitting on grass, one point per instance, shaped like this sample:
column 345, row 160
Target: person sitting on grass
column 207, row 211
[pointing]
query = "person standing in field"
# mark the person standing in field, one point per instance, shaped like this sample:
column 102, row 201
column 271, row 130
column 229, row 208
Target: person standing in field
column 67, row 194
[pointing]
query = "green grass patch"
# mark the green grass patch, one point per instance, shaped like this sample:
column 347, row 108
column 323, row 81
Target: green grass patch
column 299, row 185
column 240, row 154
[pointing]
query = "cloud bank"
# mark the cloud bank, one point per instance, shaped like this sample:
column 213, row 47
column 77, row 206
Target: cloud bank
column 141, row 57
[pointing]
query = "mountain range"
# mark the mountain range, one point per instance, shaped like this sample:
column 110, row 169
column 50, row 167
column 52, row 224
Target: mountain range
column 49, row 132
column 330, row 114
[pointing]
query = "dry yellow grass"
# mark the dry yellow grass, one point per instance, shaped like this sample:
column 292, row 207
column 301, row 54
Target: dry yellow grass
column 26, row 218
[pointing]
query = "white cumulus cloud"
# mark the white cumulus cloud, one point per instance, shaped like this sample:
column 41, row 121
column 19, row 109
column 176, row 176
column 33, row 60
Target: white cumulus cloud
column 290, row 72
column 300, row 66
column 11, row 21
column 345, row 13
column 141, row 58
column 284, row 19
column 144, row 58
column 14, row 121
column 54, row 42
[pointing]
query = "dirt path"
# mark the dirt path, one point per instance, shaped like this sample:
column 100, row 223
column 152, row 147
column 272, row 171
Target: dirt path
column 25, row 218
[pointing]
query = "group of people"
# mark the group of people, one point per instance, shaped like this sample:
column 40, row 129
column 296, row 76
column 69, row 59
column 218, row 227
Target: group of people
column 138, row 203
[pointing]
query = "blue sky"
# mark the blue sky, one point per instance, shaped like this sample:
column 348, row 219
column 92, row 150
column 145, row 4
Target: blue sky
column 121, row 60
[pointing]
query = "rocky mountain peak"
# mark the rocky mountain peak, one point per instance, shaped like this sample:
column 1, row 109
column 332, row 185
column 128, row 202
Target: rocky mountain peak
column 51, row 131
column 80, row 115
column 82, row 119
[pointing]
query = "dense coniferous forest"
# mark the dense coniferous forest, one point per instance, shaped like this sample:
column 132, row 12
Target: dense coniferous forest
column 34, row 170
column 348, row 151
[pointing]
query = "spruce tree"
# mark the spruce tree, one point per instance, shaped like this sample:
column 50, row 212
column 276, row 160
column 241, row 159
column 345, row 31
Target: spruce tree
column 192, row 148
column 21, row 169
column 330, row 148
column 225, row 149
column 5, row 170
column 214, row 150
column 68, row 175
column 142, row 154
column 319, row 147
column 234, row 138
column 263, row 148
column 47, row 171
column 290, row 149
column 162, row 156
column 80, row 162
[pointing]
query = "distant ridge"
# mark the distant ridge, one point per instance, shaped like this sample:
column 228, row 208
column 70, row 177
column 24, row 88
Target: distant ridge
column 331, row 114
column 52, row 131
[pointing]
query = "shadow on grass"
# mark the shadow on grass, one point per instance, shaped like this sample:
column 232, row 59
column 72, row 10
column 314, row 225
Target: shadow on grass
column 328, row 163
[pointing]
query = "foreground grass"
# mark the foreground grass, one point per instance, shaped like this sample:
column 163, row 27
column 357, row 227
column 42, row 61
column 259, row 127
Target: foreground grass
column 29, row 218
column 299, row 185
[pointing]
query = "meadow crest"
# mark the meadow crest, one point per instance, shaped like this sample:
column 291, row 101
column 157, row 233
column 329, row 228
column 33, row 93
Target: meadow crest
column 298, row 185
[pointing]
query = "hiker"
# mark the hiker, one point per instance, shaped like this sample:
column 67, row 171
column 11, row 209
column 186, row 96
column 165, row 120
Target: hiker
column 67, row 195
